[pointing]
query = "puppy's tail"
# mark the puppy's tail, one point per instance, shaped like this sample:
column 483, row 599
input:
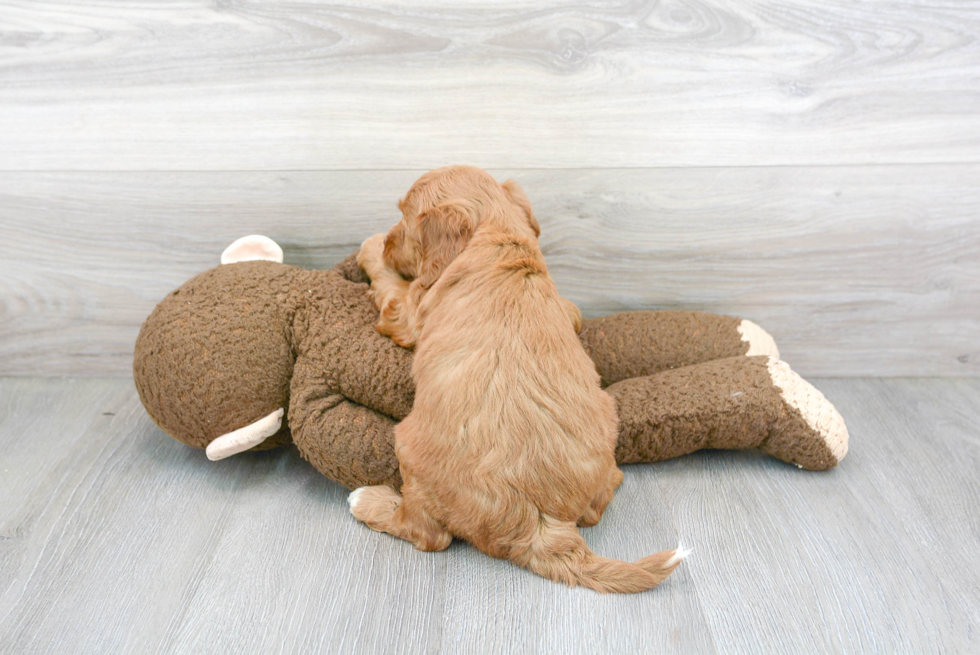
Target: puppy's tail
column 558, row 552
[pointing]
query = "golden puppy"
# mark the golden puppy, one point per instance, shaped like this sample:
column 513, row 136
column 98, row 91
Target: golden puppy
column 440, row 212
column 510, row 441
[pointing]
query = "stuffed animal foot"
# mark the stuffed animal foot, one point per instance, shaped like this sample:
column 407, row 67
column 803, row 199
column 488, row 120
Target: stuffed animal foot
column 812, row 435
column 759, row 342
column 734, row 403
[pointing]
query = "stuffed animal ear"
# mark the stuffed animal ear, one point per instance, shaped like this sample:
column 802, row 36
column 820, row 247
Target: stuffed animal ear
column 516, row 193
column 444, row 232
column 251, row 248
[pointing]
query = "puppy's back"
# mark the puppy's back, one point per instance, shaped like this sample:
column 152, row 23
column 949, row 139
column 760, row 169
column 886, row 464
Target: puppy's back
column 509, row 394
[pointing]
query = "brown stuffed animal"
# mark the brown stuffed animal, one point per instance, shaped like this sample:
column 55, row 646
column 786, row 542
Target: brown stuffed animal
column 238, row 353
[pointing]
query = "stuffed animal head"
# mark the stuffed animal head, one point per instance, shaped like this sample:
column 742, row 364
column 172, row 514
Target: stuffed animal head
column 214, row 334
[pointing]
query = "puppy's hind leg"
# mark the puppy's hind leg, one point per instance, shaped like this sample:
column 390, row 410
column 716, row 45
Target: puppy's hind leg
column 602, row 499
column 382, row 509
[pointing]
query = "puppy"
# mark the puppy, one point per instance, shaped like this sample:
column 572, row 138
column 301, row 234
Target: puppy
column 440, row 212
column 510, row 442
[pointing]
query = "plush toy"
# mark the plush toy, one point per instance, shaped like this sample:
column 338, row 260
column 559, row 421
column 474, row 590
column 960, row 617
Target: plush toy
column 255, row 354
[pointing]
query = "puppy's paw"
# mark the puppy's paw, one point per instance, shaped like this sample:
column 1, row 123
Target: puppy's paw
column 590, row 518
column 392, row 324
column 352, row 499
column 371, row 255
column 374, row 506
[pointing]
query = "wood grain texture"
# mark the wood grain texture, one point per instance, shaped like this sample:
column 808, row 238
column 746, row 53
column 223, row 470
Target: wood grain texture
column 121, row 540
column 856, row 560
column 504, row 609
column 234, row 85
column 856, row 271
column 114, row 538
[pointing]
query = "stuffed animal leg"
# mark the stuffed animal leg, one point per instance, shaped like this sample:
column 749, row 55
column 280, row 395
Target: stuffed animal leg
column 734, row 403
column 634, row 344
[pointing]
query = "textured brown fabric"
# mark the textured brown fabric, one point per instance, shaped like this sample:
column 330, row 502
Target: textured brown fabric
column 634, row 344
column 239, row 341
column 214, row 355
column 218, row 353
column 349, row 270
column 727, row 403
column 792, row 440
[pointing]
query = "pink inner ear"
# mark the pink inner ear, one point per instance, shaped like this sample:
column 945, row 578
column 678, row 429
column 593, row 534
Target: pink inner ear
column 251, row 248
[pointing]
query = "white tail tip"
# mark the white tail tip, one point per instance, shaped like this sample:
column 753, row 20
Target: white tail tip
column 680, row 553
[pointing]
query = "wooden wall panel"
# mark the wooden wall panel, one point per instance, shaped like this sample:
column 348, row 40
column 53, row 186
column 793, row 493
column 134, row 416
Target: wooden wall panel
column 857, row 271
column 158, row 85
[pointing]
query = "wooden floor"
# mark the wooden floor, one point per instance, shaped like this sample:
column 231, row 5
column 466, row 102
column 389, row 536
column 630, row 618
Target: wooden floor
column 115, row 538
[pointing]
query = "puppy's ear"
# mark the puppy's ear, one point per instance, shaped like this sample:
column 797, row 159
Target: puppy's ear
column 516, row 194
column 444, row 232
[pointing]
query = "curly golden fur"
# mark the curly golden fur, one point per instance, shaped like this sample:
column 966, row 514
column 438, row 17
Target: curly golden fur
column 510, row 442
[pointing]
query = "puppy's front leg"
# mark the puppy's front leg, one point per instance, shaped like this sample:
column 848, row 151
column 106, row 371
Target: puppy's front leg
column 396, row 298
column 401, row 315
column 385, row 281
column 574, row 315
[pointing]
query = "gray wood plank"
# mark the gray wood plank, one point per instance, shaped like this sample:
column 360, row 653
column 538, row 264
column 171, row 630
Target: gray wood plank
column 42, row 423
column 876, row 556
column 271, row 86
column 869, row 270
column 117, row 539
column 295, row 573
column 926, row 473
column 494, row 606
column 135, row 543
column 104, row 555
